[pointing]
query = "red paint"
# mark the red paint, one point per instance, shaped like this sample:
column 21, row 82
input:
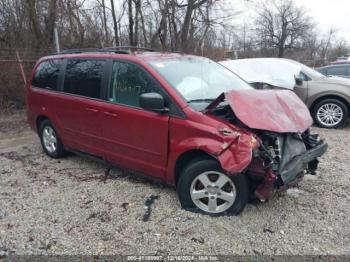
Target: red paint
column 272, row 110
column 201, row 132
column 265, row 190
column 152, row 143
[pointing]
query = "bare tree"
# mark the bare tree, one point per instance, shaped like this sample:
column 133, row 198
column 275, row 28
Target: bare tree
column 281, row 24
column 325, row 45
column 191, row 6
column 131, row 22
column 103, row 5
column 115, row 24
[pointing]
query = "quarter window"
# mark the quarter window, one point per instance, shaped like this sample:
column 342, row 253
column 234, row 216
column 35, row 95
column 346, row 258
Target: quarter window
column 84, row 77
column 128, row 82
column 46, row 74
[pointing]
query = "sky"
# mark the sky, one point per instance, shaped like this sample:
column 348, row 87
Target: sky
column 330, row 14
column 326, row 14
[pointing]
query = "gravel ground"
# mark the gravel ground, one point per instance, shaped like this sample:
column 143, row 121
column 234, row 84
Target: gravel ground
column 64, row 206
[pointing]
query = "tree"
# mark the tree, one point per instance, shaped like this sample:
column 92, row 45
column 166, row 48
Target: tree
column 281, row 24
column 191, row 6
column 115, row 24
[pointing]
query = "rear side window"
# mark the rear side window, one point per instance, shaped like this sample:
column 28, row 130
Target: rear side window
column 337, row 71
column 46, row 74
column 84, row 77
column 347, row 72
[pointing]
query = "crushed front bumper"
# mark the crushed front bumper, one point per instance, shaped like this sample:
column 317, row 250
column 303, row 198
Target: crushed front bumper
column 299, row 163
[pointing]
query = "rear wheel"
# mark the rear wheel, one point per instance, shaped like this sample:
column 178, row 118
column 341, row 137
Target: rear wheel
column 204, row 186
column 50, row 140
column 330, row 113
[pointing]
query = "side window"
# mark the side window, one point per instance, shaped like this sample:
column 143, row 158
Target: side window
column 46, row 74
column 128, row 82
column 347, row 73
column 84, row 77
column 336, row 71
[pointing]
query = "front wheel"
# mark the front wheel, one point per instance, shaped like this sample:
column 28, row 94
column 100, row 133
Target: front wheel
column 330, row 113
column 204, row 186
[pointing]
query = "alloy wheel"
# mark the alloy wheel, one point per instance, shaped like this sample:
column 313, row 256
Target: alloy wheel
column 49, row 139
column 213, row 192
column 330, row 114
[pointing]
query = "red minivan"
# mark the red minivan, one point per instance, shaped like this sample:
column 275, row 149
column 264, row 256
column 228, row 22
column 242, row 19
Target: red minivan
column 181, row 119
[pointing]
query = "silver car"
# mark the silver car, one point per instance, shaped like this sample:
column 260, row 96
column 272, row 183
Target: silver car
column 328, row 98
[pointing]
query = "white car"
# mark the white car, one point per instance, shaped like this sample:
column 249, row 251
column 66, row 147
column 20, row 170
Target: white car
column 328, row 98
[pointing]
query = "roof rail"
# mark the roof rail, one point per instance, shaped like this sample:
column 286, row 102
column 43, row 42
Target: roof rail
column 117, row 49
column 130, row 48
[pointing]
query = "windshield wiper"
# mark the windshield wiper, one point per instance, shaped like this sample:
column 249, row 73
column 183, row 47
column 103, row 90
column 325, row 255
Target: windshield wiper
column 205, row 100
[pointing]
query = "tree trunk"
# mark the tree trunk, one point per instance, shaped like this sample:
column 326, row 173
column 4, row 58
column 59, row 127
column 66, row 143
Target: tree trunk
column 144, row 33
column 115, row 24
column 50, row 21
column 33, row 19
column 131, row 23
column 186, row 25
column 136, row 28
column 105, row 21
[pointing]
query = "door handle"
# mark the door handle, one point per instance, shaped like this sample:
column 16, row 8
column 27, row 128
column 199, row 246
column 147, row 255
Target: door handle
column 91, row 109
column 110, row 114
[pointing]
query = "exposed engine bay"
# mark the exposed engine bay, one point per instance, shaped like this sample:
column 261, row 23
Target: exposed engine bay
column 281, row 160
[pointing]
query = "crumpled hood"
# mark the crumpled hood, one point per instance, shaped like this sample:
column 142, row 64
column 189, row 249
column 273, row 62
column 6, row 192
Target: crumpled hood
column 273, row 110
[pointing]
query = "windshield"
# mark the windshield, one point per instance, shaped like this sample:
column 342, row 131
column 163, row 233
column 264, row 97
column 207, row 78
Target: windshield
column 198, row 79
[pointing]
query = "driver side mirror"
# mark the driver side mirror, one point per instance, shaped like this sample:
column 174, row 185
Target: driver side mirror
column 298, row 80
column 153, row 102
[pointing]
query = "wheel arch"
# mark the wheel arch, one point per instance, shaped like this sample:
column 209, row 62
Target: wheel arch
column 39, row 120
column 190, row 156
column 324, row 97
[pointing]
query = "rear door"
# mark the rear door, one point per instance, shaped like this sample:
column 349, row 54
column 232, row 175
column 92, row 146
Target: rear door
column 347, row 73
column 134, row 138
column 78, row 106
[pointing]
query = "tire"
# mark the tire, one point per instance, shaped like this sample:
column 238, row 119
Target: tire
column 333, row 106
column 190, row 181
column 58, row 150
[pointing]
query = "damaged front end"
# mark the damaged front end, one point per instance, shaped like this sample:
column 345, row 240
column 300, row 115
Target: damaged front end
column 282, row 160
column 280, row 121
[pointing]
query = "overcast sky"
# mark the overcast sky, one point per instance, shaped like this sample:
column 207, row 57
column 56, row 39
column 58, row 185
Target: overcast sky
column 330, row 14
column 326, row 13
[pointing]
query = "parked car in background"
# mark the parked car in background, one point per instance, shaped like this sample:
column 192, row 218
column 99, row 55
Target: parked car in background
column 341, row 60
column 328, row 98
column 341, row 70
column 181, row 119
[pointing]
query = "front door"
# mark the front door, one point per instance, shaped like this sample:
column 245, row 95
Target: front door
column 134, row 138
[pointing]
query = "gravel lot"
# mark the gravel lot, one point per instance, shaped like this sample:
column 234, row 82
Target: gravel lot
column 63, row 206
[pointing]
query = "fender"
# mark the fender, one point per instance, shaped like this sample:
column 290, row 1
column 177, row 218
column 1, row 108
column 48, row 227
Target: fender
column 233, row 151
column 328, row 94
